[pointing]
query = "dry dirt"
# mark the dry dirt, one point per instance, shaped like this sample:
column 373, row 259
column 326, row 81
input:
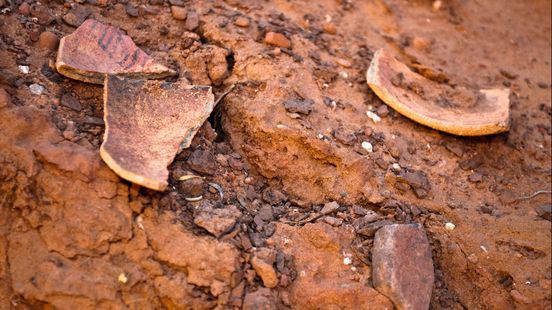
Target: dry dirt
column 75, row 235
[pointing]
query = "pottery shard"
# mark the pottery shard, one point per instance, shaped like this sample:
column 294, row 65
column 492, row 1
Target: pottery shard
column 95, row 49
column 402, row 267
column 458, row 111
column 148, row 123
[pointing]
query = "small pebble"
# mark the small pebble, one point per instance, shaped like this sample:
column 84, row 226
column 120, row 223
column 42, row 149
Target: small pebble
column 24, row 9
column 36, row 89
column 421, row 44
column 373, row 116
column 329, row 27
column 24, row 69
column 367, row 146
column 396, row 167
column 333, row 221
column 472, row 258
column 520, row 298
column 179, row 13
column 48, row 40
column 277, row 39
column 344, row 63
column 122, row 278
column 241, row 21
column 347, row 260
column 437, row 5
column 449, row 226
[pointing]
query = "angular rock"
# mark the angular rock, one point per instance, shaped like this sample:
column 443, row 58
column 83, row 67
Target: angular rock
column 71, row 102
column 77, row 15
column 262, row 262
column 417, row 180
column 216, row 221
column 330, row 207
column 299, row 106
column 544, row 211
column 95, row 49
column 402, row 266
column 147, row 123
column 457, row 111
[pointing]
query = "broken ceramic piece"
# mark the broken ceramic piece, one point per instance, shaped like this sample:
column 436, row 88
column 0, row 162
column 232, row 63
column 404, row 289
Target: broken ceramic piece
column 147, row 123
column 458, row 110
column 95, row 49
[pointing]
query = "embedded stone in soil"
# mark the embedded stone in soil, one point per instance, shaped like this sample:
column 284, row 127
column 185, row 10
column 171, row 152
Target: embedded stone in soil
column 402, row 266
column 147, row 123
column 96, row 49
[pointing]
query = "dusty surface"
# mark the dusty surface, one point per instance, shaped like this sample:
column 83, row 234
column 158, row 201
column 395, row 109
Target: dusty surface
column 286, row 141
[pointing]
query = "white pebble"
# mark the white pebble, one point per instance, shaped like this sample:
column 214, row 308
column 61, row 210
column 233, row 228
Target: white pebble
column 367, row 146
column 396, row 167
column 449, row 226
column 36, row 89
column 373, row 116
column 24, row 69
column 122, row 278
column 347, row 260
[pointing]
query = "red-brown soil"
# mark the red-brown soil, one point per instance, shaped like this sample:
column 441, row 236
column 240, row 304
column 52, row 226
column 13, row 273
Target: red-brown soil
column 75, row 235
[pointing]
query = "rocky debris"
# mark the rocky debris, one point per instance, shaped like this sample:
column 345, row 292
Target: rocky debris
column 24, row 9
column 147, row 123
column 277, row 39
column 191, row 187
column 217, row 221
column 543, row 211
column 323, row 280
column 42, row 14
column 48, row 40
column 329, row 208
column 300, row 106
column 261, row 299
column 367, row 227
column 457, row 111
column 417, row 180
column 77, row 15
column 178, row 12
column 36, row 89
column 192, row 21
column 95, row 49
column 132, row 10
column 402, row 266
column 202, row 161
column 262, row 261
column 242, row 21
column 71, row 102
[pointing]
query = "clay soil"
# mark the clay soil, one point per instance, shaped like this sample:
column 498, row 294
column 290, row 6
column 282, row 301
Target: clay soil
column 73, row 235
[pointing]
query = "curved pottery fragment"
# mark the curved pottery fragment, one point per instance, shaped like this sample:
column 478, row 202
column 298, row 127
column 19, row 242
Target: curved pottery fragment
column 95, row 49
column 458, row 110
column 147, row 123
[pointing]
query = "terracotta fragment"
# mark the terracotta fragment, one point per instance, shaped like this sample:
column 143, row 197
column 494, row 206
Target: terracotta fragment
column 458, row 111
column 95, row 49
column 147, row 123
